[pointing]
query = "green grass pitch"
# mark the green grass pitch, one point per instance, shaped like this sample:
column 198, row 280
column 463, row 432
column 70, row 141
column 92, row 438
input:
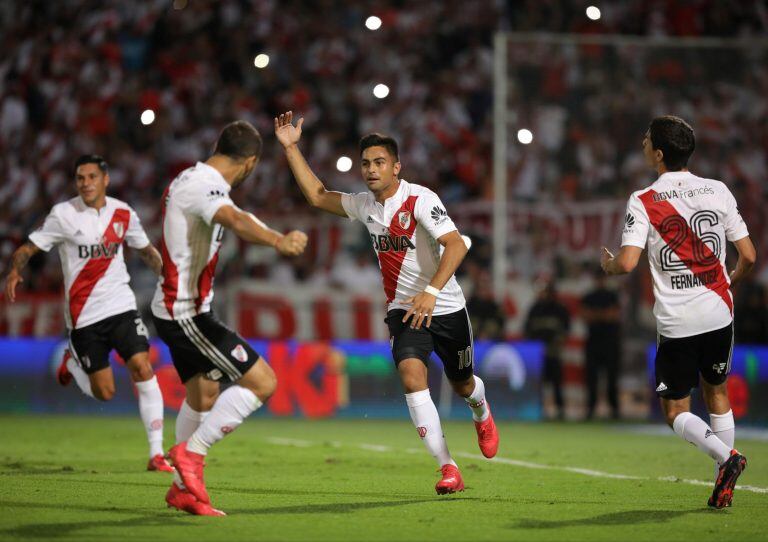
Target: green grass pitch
column 82, row 478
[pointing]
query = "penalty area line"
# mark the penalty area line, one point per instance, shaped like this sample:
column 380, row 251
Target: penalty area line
column 512, row 462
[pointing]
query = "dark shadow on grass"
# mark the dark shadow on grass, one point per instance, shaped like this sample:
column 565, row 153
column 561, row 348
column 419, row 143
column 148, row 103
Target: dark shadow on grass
column 19, row 468
column 62, row 530
column 332, row 508
column 630, row 517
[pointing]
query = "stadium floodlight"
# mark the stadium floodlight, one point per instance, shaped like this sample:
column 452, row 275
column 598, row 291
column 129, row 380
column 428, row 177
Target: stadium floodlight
column 344, row 164
column 524, row 136
column 261, row 60
column 373, row 23
column 147, row 117
column 381, row 91
column 593, row 12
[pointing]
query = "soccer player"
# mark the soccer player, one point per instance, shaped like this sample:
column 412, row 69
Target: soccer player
column 196, row 211
column 419, row 250
column 89, row 231
column 685, row 221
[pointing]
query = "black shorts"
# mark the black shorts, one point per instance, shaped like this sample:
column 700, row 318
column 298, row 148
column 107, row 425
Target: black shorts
column 449, row 335
column 203, row 344
column 679, row 362
column 125, row 332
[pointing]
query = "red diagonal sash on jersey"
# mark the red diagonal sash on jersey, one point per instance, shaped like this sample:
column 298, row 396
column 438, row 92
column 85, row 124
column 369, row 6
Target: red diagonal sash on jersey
column 660, row 210
column 170, row 284
column 95, row 268
column 391, row 261
column 205, row 281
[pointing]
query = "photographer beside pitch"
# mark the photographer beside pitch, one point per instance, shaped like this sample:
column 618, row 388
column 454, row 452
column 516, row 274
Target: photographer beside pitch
column 685, row 221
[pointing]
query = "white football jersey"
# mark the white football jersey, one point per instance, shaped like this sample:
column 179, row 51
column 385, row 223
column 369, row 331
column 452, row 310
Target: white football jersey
column 685, row 222
column 190, row 243
column 90, row 244
column 404, row 234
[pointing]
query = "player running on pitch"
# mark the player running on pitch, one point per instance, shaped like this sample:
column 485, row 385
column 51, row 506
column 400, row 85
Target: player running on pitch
column 89, row 231
column 685, row 222
column 196, row 210
column 419, row 250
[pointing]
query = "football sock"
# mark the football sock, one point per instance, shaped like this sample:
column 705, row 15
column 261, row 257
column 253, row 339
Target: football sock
column 476, row 402
column 229, row 411
column 724, row 427
column 151, row 410
column 188, row 421
column 83, row 382
column 693, row 429
column 427, row 422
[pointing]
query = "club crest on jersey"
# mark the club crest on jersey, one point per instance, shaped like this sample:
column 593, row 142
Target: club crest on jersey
column 119, row 229
column 239, row 353
column 404, row 218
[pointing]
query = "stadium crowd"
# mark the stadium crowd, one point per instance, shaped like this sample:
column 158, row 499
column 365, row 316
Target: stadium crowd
column 79, row 81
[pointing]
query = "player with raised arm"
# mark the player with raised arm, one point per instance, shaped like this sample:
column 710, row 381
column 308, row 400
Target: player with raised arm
column 419, row 250
column 196, row 211
column 685, row 221
column 100, row 311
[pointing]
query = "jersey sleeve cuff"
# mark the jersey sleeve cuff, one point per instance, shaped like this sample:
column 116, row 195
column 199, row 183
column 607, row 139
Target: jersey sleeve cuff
column 347, row 204
column 738, row 236
column 632, row 243
column 214, row 208
column 39, row 243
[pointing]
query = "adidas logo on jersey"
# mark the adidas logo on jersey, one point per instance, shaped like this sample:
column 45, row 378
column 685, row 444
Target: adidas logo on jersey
column 369, row 220
column 78, row 233
column 661, row 387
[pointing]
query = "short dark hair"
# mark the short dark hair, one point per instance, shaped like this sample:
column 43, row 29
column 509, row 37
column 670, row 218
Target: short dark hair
column 239, row 140
column 674, row 137
column 92, row 159
column 380, row 140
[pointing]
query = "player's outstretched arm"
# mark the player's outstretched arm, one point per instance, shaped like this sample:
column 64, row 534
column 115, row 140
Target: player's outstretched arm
column 18, row 261
column 151, row 257
column 423, row 303
column 312, row 188
column 747, row 258
column 624, row 262
column 249, row 228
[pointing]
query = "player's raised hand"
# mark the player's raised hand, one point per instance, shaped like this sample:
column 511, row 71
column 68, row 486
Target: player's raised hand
column 292, row 243
column 14, row 278
column 288, row 134
column 422, row 305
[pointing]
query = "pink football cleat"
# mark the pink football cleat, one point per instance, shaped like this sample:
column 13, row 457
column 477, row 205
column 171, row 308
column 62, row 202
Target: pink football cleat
column 183, row 500
column 487, row 436
column 63, row 376
column 190, row 465
column 451, row 481
column 159, row 463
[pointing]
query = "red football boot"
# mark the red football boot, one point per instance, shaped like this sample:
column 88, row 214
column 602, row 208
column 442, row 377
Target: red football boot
column 451, row 481
column 159, row 463
column 729, row 472
column 63, row 376
column 487, row 436
column 183, row 500
column 190, row 465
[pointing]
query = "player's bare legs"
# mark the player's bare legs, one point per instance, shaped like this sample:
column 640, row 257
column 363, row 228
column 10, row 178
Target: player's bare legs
column 473, row 391
column 103, row 384
column 720, row 414
column 229, row 410
column 413, row 375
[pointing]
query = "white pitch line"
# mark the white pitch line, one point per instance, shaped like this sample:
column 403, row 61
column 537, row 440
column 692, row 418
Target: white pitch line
column 518, row 463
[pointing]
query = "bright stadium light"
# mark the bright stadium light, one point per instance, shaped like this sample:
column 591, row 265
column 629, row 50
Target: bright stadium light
column 261, row 60
column 524, row 136
column 373, row 23
column 381, row 91
column 147, row 117
column 344, row 164
column 593, row 12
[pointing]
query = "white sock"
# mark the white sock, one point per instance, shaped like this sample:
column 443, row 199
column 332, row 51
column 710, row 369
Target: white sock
column 694, row 430
column 151, row 410
column 476, row 402
column 81, row 378
column 188, row 421
column 724, row 427
column 427, row 422
column 229, row 411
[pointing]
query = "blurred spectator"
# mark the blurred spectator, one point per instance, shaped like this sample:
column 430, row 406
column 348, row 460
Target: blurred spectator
column 548, row 321
column 751, row 313
column 485, row 313
column 602, row 352
column 357, row 275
